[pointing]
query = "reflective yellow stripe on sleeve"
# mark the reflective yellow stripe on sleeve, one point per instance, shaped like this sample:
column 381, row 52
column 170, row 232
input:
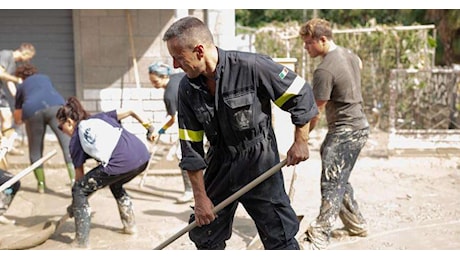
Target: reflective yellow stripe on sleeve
column 293, row 90
column 190, row 135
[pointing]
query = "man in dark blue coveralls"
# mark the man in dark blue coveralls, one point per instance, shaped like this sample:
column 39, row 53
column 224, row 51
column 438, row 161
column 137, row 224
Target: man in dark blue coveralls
column 227, row 96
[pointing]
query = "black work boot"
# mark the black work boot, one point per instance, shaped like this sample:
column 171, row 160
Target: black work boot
column 82, row 218
column 125, row 207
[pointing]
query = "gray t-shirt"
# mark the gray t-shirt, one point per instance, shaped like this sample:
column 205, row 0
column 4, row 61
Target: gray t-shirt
column 8, row 63
column 170, row 94
column 337, row 80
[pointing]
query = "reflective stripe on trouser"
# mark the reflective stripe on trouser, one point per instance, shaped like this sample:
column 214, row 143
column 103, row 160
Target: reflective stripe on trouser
column 339, row 153
column 267, row 203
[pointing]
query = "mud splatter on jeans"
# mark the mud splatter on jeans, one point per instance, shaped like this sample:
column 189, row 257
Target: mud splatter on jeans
column 339, row 152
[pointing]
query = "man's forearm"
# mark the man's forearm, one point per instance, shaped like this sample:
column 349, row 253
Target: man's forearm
column 8, row 77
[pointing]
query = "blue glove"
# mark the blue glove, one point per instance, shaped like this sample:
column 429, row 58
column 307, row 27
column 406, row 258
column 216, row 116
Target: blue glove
column 161, row 131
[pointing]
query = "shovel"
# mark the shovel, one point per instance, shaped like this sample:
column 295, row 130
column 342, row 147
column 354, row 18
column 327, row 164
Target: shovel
column 152, row 155
column 36, row 239
column 43, row 233
column 226, row 202
column 27, row 170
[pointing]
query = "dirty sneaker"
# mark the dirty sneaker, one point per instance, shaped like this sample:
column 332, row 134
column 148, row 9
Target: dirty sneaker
column 345, row 232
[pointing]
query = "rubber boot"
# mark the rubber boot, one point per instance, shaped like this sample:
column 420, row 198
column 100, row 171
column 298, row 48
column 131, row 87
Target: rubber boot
column 125, row 208
column 71, row 171
column 188, row 192
column 82, row 218
column 40, row 176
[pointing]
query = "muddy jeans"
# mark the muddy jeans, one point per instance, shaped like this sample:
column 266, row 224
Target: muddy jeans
column 339, row 153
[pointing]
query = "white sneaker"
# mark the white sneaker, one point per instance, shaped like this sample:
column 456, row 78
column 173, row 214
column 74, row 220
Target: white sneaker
column 6, row 221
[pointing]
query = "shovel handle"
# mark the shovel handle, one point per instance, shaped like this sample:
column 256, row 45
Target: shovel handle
column 27, row 170
column 153, row 152
column 227, row 201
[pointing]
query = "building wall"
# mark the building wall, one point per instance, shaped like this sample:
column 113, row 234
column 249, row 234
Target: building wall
column 105, row 60
column 50, row 31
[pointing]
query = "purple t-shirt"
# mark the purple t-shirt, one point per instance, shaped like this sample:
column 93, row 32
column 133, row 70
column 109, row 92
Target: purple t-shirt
column 129, row 154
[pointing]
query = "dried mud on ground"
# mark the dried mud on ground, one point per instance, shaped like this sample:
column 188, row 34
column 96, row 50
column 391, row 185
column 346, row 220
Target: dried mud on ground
column 410, row 202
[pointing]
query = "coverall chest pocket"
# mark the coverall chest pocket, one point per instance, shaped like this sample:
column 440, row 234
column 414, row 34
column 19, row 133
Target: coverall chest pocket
column 239, row 106
column 204, row 115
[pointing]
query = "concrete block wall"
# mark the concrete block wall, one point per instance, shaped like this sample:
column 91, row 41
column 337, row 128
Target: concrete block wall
column 106, row 55
column 147, row 102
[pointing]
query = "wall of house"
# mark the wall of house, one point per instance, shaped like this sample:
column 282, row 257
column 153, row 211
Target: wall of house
column 108, row 45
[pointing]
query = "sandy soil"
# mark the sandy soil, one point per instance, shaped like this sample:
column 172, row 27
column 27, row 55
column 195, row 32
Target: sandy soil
column 410, row 202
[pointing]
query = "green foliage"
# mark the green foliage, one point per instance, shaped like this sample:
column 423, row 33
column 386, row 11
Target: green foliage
column 257, row 18
column 447, row 22
column 381, row 50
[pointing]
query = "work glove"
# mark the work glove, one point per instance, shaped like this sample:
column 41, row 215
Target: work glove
column 150, row 131
column 161, row 131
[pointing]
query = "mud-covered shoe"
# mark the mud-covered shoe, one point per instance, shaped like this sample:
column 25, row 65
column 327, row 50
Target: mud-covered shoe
column 79, row 246
column 5, row 221
column 130, row 230
column 306, row 244
column 345, row 232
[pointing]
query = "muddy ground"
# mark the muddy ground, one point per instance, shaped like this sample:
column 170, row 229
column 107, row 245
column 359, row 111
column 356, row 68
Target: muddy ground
column 411, row 202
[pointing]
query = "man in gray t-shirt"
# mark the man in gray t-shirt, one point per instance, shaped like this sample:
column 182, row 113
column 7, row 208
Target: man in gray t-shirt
column 337, row 90
column 8, row 60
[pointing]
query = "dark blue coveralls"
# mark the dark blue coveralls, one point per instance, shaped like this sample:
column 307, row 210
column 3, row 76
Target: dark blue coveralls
column 237, row 123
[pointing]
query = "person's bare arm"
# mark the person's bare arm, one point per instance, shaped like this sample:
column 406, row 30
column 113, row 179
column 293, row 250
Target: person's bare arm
column 79, row 173
column 17, row 115
column 8, row 77
column 151, row 135
column 12, row 88
column 299, row 152
column 203, row 205
column 170, row 119
column 124, row 113
column 321, row 104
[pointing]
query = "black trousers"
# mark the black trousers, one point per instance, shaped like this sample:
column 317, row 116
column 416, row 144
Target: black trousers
column 268, row 203
column 97, row 179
